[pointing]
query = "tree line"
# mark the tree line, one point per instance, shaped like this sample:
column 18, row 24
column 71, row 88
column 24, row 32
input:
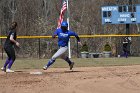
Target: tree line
column 39, row 17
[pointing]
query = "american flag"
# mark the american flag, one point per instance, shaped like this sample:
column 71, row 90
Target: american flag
column 63, row 9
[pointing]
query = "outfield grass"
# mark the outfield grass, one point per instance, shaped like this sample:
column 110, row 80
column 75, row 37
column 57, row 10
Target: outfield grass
column 79, row 62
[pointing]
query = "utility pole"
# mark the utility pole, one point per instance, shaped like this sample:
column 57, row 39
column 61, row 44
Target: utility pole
column 128, row 27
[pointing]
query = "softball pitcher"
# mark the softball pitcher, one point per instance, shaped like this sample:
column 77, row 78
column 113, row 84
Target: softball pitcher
column 63, row 38
column 9, row 48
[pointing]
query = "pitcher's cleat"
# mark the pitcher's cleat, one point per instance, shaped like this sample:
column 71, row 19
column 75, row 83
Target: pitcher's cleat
column 9, row 71
column 3, row 69
column 71, row 65
column 44, row 68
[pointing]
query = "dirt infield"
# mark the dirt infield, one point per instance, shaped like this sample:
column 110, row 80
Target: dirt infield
column 118, row 79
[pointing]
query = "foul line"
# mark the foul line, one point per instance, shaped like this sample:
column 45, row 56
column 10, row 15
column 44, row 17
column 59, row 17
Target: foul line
column 81, row 36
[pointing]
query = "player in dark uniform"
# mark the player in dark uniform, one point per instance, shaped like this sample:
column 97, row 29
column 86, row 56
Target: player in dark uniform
column 126, row 41
column 9, row 47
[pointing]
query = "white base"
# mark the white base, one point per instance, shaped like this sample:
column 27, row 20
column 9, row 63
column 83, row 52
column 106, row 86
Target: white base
column 36, row 73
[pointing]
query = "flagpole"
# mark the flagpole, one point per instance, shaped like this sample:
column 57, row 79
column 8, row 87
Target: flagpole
column 69, row 49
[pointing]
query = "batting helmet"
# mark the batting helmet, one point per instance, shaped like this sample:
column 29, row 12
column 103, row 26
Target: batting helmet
column 64, row 23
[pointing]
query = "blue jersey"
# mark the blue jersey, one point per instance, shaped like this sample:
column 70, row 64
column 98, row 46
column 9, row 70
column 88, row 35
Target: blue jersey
column 63, row 37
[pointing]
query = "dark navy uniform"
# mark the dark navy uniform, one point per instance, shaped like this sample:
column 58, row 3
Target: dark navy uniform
column 126, row 43
column 9, row 48
column 9, row 45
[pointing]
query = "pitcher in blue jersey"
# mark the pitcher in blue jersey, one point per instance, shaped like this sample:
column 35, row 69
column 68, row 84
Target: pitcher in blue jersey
column 63, row 38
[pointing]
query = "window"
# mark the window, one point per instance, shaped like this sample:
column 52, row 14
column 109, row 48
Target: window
column 107, row 13
column 104, row 13
column 120, row 8
column 124, row 8
column 134, row 8
column 132, row 15
column 131, row 8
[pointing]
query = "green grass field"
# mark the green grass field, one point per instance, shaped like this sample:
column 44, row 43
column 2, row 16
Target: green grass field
column 79, row 62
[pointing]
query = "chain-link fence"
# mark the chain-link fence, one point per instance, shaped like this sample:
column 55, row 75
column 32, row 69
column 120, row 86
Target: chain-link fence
column 46, row 47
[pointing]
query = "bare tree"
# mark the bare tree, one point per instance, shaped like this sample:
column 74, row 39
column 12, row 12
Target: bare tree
column 13, row 8
column 39, row 17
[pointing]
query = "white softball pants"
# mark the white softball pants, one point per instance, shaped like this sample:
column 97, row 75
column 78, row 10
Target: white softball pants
column 60, row 52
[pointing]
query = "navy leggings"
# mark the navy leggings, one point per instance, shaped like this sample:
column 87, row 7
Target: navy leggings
column 10, row 53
